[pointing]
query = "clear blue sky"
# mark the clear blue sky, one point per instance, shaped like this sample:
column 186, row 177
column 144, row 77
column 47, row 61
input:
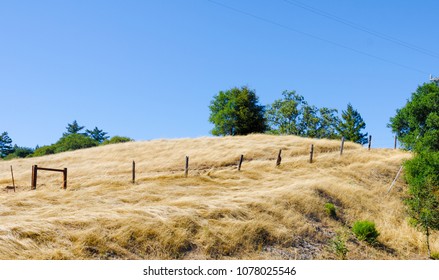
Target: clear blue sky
column 148, row 69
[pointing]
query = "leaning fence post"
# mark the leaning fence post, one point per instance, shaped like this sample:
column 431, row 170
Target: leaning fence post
column 342, row 145
column 240, row 162
column 134, row 172
column 369, row 142
column 13, row 181
column 279, row 158
column 311, row 153
column 186, row 169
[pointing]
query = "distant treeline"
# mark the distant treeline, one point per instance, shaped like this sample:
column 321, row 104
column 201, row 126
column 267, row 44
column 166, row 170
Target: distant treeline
column 72, row 139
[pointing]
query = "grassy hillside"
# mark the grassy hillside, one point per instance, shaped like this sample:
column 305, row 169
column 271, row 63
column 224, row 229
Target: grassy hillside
column 261, row 212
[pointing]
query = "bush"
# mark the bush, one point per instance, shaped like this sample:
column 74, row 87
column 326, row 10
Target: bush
column 20, row 152
column 44, row 150
column 330, row 210
column 73, row 142
column 365, row 231
column 117, row 139
column 434, row 256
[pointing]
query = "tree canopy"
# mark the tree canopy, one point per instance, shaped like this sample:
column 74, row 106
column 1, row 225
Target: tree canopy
column 97, row 134
column 73, row 128
column 417, row 128
column 351, row 125
column 417, row 123
column 293, row 115
column 5, row 145
column 237, row 112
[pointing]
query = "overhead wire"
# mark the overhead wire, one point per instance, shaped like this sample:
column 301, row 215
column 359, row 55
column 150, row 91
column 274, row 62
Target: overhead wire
column 362, row 28
column 272, row 22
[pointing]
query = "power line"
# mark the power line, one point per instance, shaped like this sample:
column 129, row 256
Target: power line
column 316, row 37
column 362, row 28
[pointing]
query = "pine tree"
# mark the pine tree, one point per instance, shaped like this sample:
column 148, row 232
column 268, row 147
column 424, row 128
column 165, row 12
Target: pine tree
column 351, row 125
column 5, row 145
column 73, row 128
column 97, row 134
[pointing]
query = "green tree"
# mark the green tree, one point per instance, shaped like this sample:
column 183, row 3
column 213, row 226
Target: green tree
column 293, row 115
column 237, row 112
column 74, row 142
column 20, row 152
column 73, row 128
column 5, row 145
column 328, row 123
column 422, row 175
column 417, row 123
column 309, row 121
column 284, row 114
column 97, row 134
column 417, row 127
column 351, row 125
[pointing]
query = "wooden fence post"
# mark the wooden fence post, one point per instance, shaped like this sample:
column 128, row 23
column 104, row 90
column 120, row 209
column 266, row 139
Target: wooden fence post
column 311, row 153
column 240, row 162
column 369, row 142
column 342, row 145
column 34, row 177
column 65, row 178
column 279, row 158
column 186, row 169
column 395, row 140
column 134, row 172
column 13, row 181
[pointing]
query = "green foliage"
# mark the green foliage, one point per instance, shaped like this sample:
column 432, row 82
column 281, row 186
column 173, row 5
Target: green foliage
column 417, row 128
column 116, row 140
column 293, row 115
column 236, row 112
column 422, row 175
column 328, row 123
column 417, row 123
column 97, row 134
column 5, row 145
column 44, row 150
column 331, row 210
column 20, row 152
column 434, row 256
column 365, row 231
column 351, row 126
column 73, row 128
column 283, row 114
column 69, row 142
column 338, row 245
column 74, row 142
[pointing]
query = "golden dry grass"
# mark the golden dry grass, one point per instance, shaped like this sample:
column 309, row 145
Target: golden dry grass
column 262, row 212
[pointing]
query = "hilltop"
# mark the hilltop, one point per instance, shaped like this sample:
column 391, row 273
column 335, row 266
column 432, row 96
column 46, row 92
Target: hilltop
column 217, row 212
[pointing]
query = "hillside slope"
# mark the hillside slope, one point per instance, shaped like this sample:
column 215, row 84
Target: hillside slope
column 260, row 212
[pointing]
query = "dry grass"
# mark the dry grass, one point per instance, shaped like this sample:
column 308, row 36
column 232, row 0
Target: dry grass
column 262, row 212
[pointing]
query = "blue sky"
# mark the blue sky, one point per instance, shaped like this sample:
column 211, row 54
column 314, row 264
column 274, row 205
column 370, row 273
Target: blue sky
column 149, row 69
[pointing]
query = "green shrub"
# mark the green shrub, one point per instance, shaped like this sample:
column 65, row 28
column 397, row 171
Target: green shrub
column 117, row 139
column 365, row 231
column 339, row 246
column 44, row 150
column 73, row 142
column 434, row 256
column 330, row 210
